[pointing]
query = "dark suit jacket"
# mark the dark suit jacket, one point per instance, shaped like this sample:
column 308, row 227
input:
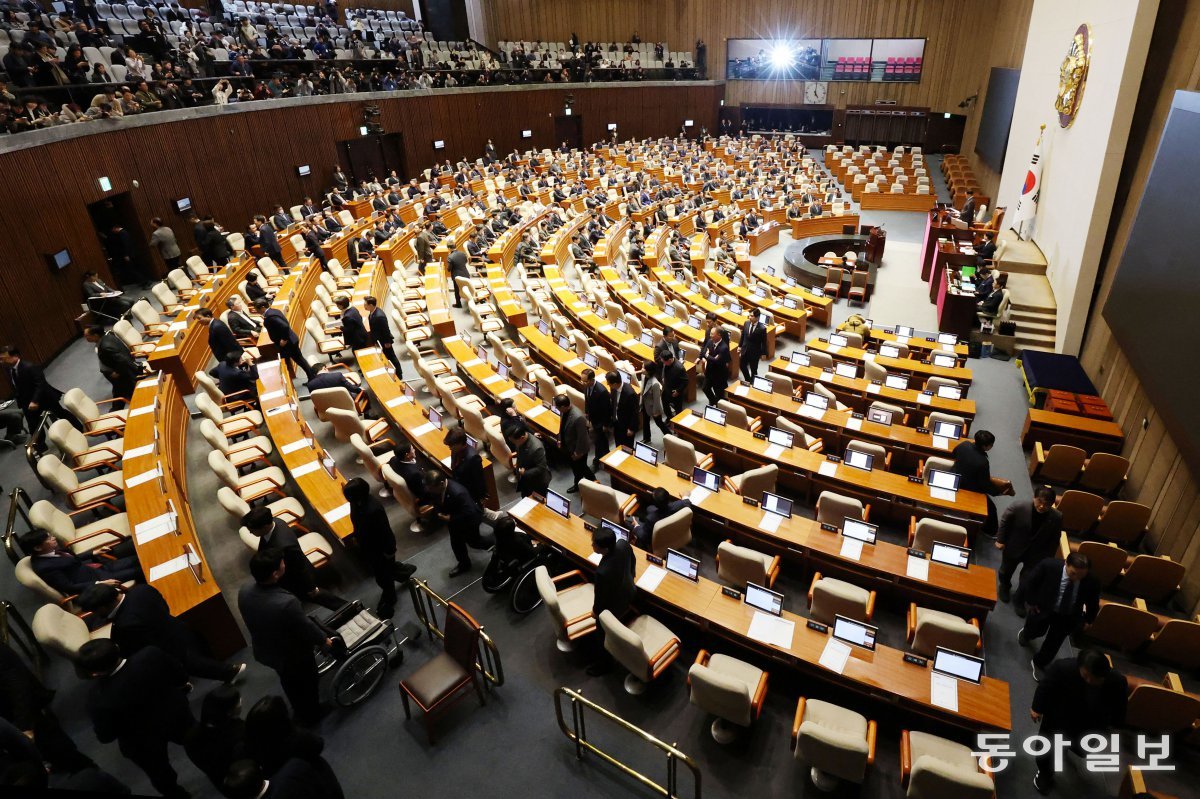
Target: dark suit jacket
column 304, row 778
column 1023, row 542
column 269, row 241
column 458, row 504
column 143, row 619
column 971, row 464
column 573, row 432
column 29, row 385
column 598, row 404
column 674, row 380
column 22, row 695
column 754, row 340
column 255, row 291
column 716, row 361
column 614, row 587
column 967, row 214
column 468, row 472
column 280, row 632
column 625, row 410
column 70, row 574
column 354, row 333
column 233, row 380
column 372, row 529
column 300, row 578
column 242, row 325
column 221, row 340
column 1041, row 591
column 458, row 264
column 115, row 356
column 278, row 328
column 146, row 699
column 381, row 331
column 412, row 473
column 1069, row 704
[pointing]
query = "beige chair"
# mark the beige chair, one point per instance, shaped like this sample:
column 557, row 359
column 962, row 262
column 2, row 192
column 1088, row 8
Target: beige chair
column 1080, row 510
column 808, row 441
column 28, row 578
column 233, row 426
column 754, row 482
column 1123, row 522
column 935, row 768
column 404, row 496
column 931, row 463
column 62, row 480
column 1120, row 626
column 1061, row 464
column 672, row 532
column 1104, row 473
column 316, row 549
column 645, row 647
column 569, row 598
column 498, row 446
column 925, row 533
column 781, row 384
column 601, row 502
column 927, row 629
column 728, row 688
column 681, row 456
column 937, row 417
column 827, row 393
column 349, row 423
column 1153, row 578
column 1107, row 560
column 738, row 565
column 132, row 338
column 150, row 320
column 87, row 411
column 285, row 508
column 373, row 462
column 339, row 397
column 79, row 539
column 166, row 298
column 838, row 744
column 63, row 632
column 835, row 508
column 84, row 455
column 873, row 371
column 736, row 415
column 829, row 598
column 249, row 486
column 821, row 360
column 241, row 453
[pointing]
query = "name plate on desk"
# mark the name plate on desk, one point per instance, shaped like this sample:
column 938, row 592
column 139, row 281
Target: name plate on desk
column 816, row 625
column 829, row 528
column 916, row 660
column 732, row 593
column 655, row 559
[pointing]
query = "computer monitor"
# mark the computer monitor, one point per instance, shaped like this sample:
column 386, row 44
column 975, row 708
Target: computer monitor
column 855, row 632
column 859, row 460
column 817, row 292
column 714, row 414
column 552, row 408
column 695, row 321
column 590, row 360
column 706, row 479
column 904, row 332
column 713, row 298
column 502, row 370
column 736, row 308
column 949, row 339
column 771, row 271
column 837, row 340
column 880, row 416
column 759, row 291
column 790, row 281
column 943, row 479
column 945, row 361
column 845, row 370
column 950, row 392
column 957, row 665
column 622, row 326
column 482, row 352
column 790, row 304
column 764, row 599
column 763, row 384
column 647, row 339
column 947, row 430
column 564, row 342
column 859, row 530
column 777, row 504
column 799, row 358
column 815, row 400
column 435, row 418
column 528, row 389
column 559, row 504
column 898, row 382
column 645, row 453
column 950, row 555
column 543, row 328
column 472, row 442
column 683, row 565
column 619, row 531
column 781, row 437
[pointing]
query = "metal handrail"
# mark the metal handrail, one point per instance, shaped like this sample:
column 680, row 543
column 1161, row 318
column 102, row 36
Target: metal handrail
column 15, row 630
column 16, row 498
column 577, row 734
column 426, row 602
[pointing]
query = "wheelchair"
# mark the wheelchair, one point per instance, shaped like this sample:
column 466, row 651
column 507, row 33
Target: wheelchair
column 364, row 648
column 511, row 568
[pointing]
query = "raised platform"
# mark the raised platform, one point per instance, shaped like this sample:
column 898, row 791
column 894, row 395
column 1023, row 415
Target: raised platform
column 801, row 260
column 1021, row 257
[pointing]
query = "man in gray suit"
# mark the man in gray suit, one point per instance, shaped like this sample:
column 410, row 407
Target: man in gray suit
column 576, row 440
column 283, row 637
column 1029, row 533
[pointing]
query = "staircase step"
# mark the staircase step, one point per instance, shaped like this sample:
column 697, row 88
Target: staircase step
column 1040, row 326
column 1031, row 308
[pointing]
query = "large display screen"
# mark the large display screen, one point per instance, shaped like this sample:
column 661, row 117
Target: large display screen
column 872, row 60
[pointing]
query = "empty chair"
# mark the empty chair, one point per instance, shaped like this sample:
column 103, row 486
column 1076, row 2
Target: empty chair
column 1104, row 473
column 827, row 393
column 935, row 768
column 937, row 418
column 927, row 629
column 754, row 482
column 1161, row 707
column 449, row 675
column 835, row 508
column 728, row 688
column 837, row 744
column 1153, row 578
column 87, row 411
column 881, row 458
column 801, row 436
column 79, row 539
column 234, row 426
column 645, row 647
column 1178, row 642
column 681, row 456
column 569, row 598
column 1061, row 464
column 934, row 383
column 601, row 502
column 738, row 565
column 63, row 481
column 858, row 285
column 240, row 453
column 821, row 360
column 1123, row 522
column 925, row 533
column 829, row 598
column 1080, row 510
column 63, row 632
column 781, row 384
column 82, row 453
column 1124, row 627
column 149, row 318
column 249, row 486
column 349, row 423
column 736, row 415
column 672, row 532
column 898, row 414
column 833, row 282
column 873, row 371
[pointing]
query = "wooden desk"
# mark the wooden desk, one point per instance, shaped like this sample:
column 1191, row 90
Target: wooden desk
column 359, row 209
column 794, row 320
column 505, row 302
column 916, row 370
column 949, row 254
column 886, row 201
column 704, row 305
column 823, row 225
column 882, row 567
column 955, row 310
column 763, row 239
column 881, row 675
column 651, row 316
column 919, row 343
column 156, row 436
column 437, row 299
column 820, row 308
column 891, row 495
column 1088, row 433
column 336, row 245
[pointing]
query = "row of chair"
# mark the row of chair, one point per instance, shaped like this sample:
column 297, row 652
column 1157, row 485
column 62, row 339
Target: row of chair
column 1102, row 473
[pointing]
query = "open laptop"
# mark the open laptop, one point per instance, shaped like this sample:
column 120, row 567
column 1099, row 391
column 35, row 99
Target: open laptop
column 799, row 358
column 763, row 384
column 842, row 369
column 715, row 415
column 781, row 506
column 764, row 599
column 950, row 392
column 947, row 481
column 889, row 351
column 859, row 460
column 957, row 665
column 645, row 453
column 859, row 530
column 620, row 532
column 683, row 565
column 706, row 479
column 947, row 339
column 559, row 504
column 950, row 555
column 855, row 632
column 836, row 340
column 945, row 361
column 816, row 401
column 897, row 382
column 949, row 430
column 781, row 437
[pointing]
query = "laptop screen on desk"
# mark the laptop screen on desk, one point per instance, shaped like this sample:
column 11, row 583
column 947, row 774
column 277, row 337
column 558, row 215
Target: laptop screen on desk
column 647, row 339
column 564, row 342
column 951, row 555
column 502, row 370
column 898, row 382
column 799, row 358
column 957, row 665
column 859, row 460
column 949, row 339
column 590, row 360
column 620, row 532
column 879, row 416
column 694, row 322
column 435, row 418
column 777, row 504
column 814, row 400
column 683, row 565
column 947, row 430
column 706, row 479
column 714, row 414
column 942, row 479
column 763, row 384
column 544, row 328
column 764, row 599
column 949, row 392
column 846, row 370
column 889, row 351
column 622, row 326
column 781, row 437
column 945, row 361
column 645, row 453
column 528, row 389
column 904, row 332
column 855, row 632
column 559, row 504
column 789, row 303
column 859, row 530
column 838, row 341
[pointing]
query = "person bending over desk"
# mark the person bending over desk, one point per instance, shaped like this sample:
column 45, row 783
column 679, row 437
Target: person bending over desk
column 974, row 469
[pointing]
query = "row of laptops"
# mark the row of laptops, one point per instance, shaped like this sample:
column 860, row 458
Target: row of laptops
column 892, row 351
column 897, row 382
column 589, row 359
column 950, row 430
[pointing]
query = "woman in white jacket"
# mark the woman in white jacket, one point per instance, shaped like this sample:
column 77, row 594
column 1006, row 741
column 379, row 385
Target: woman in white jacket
column 221, row 92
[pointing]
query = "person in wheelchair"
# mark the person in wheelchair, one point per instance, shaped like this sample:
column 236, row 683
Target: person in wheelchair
column 514, row 550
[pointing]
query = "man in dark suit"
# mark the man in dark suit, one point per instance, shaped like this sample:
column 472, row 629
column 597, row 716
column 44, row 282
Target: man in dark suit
column 753, row 344
column 675, row 385
column 458, row 268
column 301, row 577
column 377, row 543
column 660, row 506
column 1029, row 533
column 215, row 245
column 282, row 636
column 669, row 343
column 139, row 701
column 268, row 241
column 614, row 588
column 331, row 376
column 1076, row 697
column 404, row 463
column 237, row 380
column 285, row 339
column 70, row 574
column 716, row 359
column 25, row 704
column 140, row 618
column 280, row 220
column 381, row 333
column 454, row 505
column 255, row 290
column 243, row 325
column 354, row 332
column 466, row 465
column 308, row 208
column 625, row 418
column 221, row 340
column 597, row 405
column 974, row 469
column 576, row 443
column 1061, row 597
column 987, row 250
column 967, row 214
column 33, row 393
column 117, row 363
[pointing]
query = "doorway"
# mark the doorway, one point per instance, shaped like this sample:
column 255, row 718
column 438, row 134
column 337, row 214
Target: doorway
column 569, row 129
column 122, row 240
column 373, row 156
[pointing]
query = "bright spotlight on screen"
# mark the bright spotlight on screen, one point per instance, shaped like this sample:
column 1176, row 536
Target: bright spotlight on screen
column 782, row 56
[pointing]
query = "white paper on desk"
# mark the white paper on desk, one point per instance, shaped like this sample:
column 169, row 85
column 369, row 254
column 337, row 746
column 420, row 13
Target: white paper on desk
column 577, row 305
column 376, row 372
column 268, row 369
column 535, row 411
column 446, row 461
column 811, row 412
column 924, row 399
column 826, row 377
column 741, row 390
column 833, row 348
column 171, row 566
column 423, row 429
column 651, row 578
column 487, row 381
column 154, row 528
column 689, row 420
column 149, row 381
column 792, row 367
column 827, row 469
column 401, row 400
column 901, row 339
column 918, row 568
column 370, row 351
column 835, row 655
column 270, row 395
column 180, row 325
column 524, row 506
column 770, row 521
column 295, row 446
column 340, row 512
column 512, row 392
column 872, row 388
column 605, row 328
column 943, row 691
column 305, row 468
column 138, row 452
column 571, row 364
column 944, row 494
column 616, row 457
column 772, row 630
column 851, row 548
column 773, row 451
column 698, row 495
column 143, row 410
column 165, row 347
column 472, row 362
column 144, row 477
column 941, row 442
column 594, row 558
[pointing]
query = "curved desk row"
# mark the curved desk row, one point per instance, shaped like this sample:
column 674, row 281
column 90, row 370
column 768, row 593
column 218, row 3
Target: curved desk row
column 794, row 320
column 916, row 370
column 704, row 305
column 820, row 308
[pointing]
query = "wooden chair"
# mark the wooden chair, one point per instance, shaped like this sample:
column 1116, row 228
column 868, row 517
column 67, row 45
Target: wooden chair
column 833, row 282
column 1104, row 473
column 858, row 287
column 1061, row 464
column 441, row 682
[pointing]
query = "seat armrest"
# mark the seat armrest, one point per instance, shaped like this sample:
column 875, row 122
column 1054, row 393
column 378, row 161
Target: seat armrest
column 773, row 571
column 910, row 622
column 818, row 445
column 760, row 694
column 867, row 512
column 912, row 529
column 797, row 720
column 755, row 424
column 729, row 486
column 1039, row 458
column 872, row 730
column 870, row 605
column 706, row 462
column 816, row 578
column 93, row 484
column 630, row 506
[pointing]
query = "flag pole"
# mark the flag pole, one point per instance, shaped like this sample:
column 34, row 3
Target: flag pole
column 1036, row 147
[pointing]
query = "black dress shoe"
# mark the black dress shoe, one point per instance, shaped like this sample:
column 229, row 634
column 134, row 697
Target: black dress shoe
column 404, row 572
column 461, row 568
column 573, row 489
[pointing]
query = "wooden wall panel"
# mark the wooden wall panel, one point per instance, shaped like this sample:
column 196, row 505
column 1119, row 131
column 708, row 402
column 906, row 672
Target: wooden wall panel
column 235, row 165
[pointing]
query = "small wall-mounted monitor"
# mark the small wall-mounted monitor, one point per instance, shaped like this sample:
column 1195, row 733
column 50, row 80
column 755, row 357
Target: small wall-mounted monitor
column 687, row 123
column 362, row 130
column 612, row 125
column 527, row 134
column 58, row 260
column 183, row 205
column 304, row 170
column 439, row 144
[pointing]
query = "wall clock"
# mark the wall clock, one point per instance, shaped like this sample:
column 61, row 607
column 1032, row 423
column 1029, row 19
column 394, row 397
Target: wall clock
column 815, row 92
